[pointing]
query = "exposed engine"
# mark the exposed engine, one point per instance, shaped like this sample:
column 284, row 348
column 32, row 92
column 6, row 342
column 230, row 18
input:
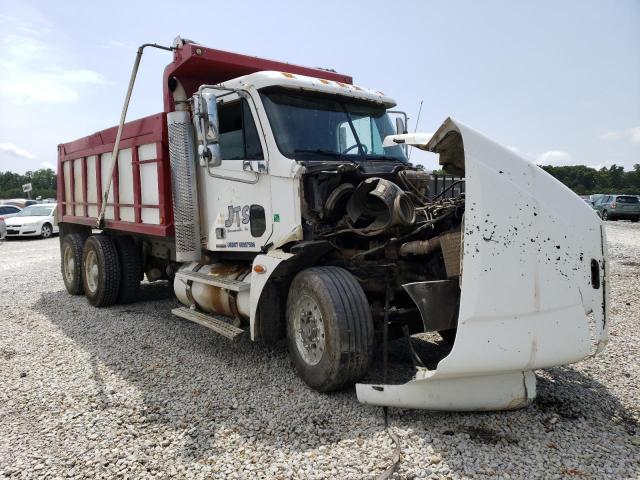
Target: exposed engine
column 389, row 231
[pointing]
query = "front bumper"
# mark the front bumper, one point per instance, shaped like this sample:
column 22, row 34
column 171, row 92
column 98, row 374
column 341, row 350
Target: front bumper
column 504, row 391
column 23, row 231
column 533, row 291
column 623, row 214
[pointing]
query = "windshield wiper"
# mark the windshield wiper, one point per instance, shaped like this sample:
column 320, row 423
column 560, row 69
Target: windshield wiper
column 382, row 158
column 320, row 151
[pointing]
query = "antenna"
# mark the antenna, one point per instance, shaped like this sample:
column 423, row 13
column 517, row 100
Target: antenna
column 417, row 123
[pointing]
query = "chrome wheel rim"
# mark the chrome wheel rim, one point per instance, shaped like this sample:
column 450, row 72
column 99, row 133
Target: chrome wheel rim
column 91, row 271
column 309, row 330
column 46, row 231
column 69, row 264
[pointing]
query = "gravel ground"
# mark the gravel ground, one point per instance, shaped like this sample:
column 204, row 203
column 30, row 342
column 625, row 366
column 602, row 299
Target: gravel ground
column 132, row 391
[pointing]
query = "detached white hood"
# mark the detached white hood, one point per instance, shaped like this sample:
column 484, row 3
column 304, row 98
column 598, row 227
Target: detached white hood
column 533, row 282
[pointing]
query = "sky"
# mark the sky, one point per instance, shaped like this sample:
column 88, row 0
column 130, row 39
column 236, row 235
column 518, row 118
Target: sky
column 557, row 81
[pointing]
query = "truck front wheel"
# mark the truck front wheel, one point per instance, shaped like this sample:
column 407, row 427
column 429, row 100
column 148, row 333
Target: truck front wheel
column 100, row 271
column 329, row 328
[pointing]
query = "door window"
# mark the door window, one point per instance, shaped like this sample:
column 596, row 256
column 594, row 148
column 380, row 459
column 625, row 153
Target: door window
column 627, row 199
column 239, row 138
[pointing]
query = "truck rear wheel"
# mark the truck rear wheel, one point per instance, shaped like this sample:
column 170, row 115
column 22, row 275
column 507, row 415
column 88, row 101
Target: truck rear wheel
column 71, row 262
column 130, row 269
column 329, row 328
column 100, row 271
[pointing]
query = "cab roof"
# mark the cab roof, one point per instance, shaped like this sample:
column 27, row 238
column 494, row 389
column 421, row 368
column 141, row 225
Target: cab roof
column 302, row 82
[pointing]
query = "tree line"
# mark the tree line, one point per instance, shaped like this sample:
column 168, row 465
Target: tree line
column 586, row 180
column 579, row 178
column 43, row 182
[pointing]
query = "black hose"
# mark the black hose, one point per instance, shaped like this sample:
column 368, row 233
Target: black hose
column 447, row 189
column 408, row 235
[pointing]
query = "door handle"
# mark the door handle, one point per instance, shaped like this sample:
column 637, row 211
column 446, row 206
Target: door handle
column 257, row 166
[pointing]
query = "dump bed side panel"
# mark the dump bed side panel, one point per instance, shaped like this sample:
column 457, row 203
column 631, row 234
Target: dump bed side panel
column 140, row 196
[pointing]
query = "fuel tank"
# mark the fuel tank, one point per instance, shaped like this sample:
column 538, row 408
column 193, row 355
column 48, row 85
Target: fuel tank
column 214, row 299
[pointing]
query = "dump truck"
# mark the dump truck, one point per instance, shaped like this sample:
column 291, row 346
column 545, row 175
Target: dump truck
column 280, row 202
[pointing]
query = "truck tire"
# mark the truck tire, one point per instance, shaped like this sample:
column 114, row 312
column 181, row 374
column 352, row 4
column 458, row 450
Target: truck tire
column 130, row 269
column 71, row 262
column 100, row 271
column 329, row 328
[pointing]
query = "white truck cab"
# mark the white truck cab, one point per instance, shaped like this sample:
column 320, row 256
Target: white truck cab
column 268, row 123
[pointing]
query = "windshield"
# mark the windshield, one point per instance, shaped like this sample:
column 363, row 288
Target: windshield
column 35, row 211
column 628, row 199
column 310, row 126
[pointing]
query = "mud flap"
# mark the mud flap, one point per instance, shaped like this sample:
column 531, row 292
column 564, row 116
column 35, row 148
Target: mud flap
column 530, row 295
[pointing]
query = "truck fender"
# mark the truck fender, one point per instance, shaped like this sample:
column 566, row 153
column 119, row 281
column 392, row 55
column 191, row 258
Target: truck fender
column 263, row 269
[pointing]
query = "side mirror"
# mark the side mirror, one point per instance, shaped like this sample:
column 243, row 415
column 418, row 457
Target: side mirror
column 210, row 114
column 205, row 109
column 400, row 126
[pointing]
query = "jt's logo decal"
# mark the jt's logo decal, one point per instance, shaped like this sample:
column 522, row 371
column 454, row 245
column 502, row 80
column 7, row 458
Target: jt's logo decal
column 234, row 216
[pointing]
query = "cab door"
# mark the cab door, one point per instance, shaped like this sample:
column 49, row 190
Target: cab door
column 236, row 195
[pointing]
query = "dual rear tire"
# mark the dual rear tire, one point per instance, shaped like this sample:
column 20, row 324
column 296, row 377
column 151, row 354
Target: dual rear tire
column 107, row 270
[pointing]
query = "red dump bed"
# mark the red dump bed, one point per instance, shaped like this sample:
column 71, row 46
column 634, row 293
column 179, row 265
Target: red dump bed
column 140, row 197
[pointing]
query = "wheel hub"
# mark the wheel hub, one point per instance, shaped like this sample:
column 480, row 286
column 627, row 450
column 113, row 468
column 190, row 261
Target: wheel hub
column 69, row 264
column 309, row 330
column 91, row 271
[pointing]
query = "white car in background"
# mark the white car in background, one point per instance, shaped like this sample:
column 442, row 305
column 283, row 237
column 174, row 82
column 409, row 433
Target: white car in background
column 34, row 221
